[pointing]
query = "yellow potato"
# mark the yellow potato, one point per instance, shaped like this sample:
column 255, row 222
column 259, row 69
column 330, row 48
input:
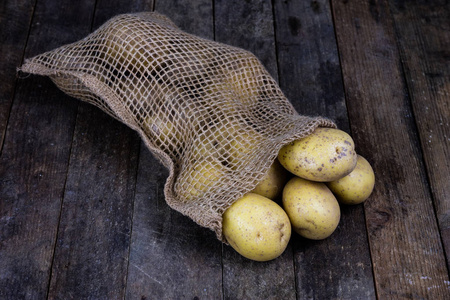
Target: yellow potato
column 312, row 208
column 243, row 75
column 325, row 155
column 239, row 148
column 201, row 176
column 209, row 143
column 122, row 44
column 239, row 142
column 273, row 182
column 125, row 45
column 357, row 186
column 162, row 131
column 256, row 227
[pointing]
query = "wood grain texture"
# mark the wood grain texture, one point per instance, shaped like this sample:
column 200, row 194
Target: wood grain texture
column 247, row 279
column 338, row 267
column 249, row 25
column 33, row 169
column 407, row 254
column 194, row 16
column 423, row 33
column 172, row 257
column 15, row 18
column 34, row 160
column 91, row 254
column 308, row 59
column 106, row 9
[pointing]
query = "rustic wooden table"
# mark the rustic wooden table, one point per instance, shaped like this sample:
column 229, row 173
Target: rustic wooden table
column 82, row 209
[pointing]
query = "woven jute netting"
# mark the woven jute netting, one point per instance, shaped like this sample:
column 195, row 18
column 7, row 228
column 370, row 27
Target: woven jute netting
column 209, row 112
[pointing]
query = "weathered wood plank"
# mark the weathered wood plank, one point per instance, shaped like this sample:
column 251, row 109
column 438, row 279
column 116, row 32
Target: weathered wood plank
column 195, row 16
column 35, row 157
column 15, row 18
column 423, row 33
column 407, row 254
column 309, row 61
column 172, row 257
column 106, row 9
column 33, row 169
column 338, row 267
column 249, row 25
column 91, row 255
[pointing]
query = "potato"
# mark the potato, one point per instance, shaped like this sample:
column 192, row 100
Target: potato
column 325, row 155
column 126, row 46
column 312, row 208
column 273, row 182
column 198, row 178
column 237, row 88
column 357, row 186
column 209, row 142
column 256, row 227
column 240, row 142
column 242, row 78
column 162, row 131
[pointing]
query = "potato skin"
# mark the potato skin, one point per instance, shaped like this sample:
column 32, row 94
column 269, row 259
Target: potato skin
column 241, row 142
column 357, row 186
column 273, row 182
column 256, row 227
column 325, row 155
column 202, row 176
column 312, row 208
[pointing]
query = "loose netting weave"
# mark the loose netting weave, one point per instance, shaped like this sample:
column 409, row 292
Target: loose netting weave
column 209, row 112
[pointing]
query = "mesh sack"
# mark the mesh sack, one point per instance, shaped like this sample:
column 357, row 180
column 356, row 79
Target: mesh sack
column 209, row 112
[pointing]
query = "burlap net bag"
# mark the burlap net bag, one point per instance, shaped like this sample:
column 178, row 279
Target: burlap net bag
column 209, row 112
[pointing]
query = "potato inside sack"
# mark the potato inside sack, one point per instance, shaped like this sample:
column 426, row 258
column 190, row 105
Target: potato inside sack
column 241, row 77
column 210, row 142
column 128, row 48
column 242, row 142
column 199, row 177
